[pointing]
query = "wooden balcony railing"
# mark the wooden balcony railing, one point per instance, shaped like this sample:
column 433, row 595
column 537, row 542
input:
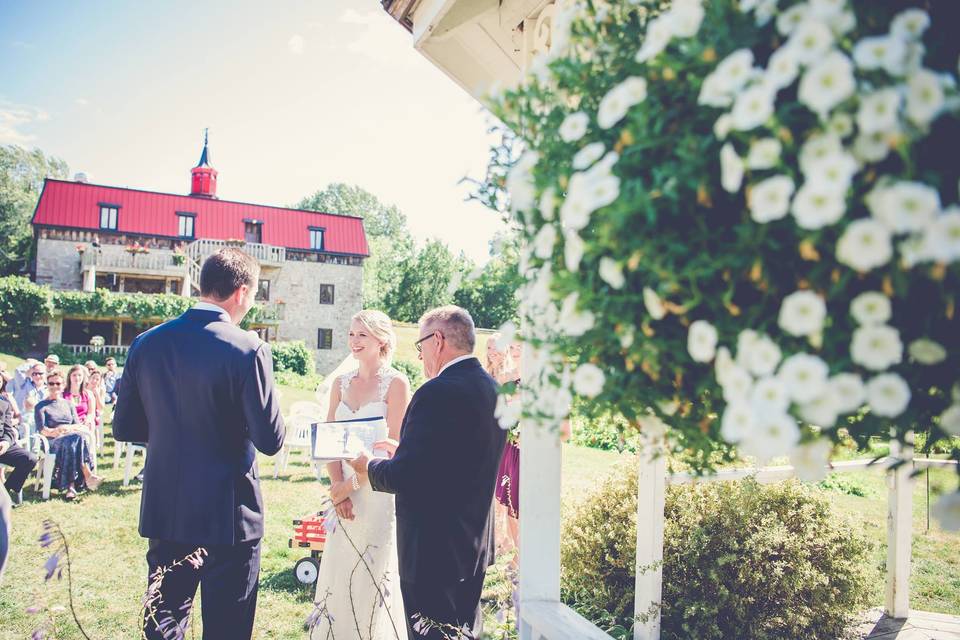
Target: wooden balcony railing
column 137, row 261
column 265, row 253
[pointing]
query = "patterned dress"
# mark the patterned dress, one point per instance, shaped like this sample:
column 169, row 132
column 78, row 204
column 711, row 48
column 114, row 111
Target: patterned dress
column 71, row 449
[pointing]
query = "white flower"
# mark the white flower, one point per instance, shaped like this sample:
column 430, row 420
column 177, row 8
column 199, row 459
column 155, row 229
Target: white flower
column 588, row 380
column 904, row 206
column 789, row 20
column 925, row 97
column 871, row 308
column 653, row 304
column 942, row 237
column 544, row 241
column 821, row 411
column 585, row 194
column 810, row 460
column 810, row 40
column 572, row 250
column 722, row 127
column 950, row 420
column 761, row 355
column 878, row 111
column 782, row 68
column 507, row 412
column 737, row 422
column 947, row 511
column 611, row 272
column 926, row 351
column 614, row 105
column 770, row 198
column 752, row 108
column 702, row 341
column 588, row 155
column 734, row 71
column 574, row 322
column 834, row 172
column 865, row 245
column 876, row 347
column 764, row 153
column 507, row 331
column 574, row 126
column 774, row 434
column 849, row 392
column 888, row 395
column 765, row 11
column 827, row 83
column 872, row 147
column 815, row 206
column 731, row 169
column 841, row 124
column 548, row 203
column 842, row 23
column 685, row 17
column 805, row 377
column 519, row 182
column 769, row 395
column 802, row 313
column 713, row 92
column 722, row 364
column 910, row 24
column 881, row 52
column 818, row 148
column 737, row 384
column 658, row 35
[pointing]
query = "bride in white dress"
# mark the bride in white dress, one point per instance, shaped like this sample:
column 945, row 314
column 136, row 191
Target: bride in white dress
column 358, row 589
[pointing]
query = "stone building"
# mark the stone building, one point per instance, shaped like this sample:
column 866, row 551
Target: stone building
column 124, row 240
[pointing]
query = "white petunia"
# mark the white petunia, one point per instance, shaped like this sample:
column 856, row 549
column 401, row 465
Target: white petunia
column 734, row 71
column 804, row 376
column 820, row 411
column 876, row 347
column 737, row 422
column 655, row 40
column 827, row 83
column 818, row 148
column 910, row 24
column 888, row 395
column 770, row 198
column 950, row 420
column 752, row 108
column 815, row 206
column 871, row 308
column 764, row 153
column 880, row 52
column 865, row 245
column 714, row 92
column 842, row 23
column 841, row 125
column 827, row 8
column 878, row 111
column 588, row 155
column 927, row 351
column 769, row 395
column 722, row 364
column 942, row 237
column 789, row 20
column 810, row 460
column 574, row 322
column 731, row 169
column 519, row 182
column 810, row 40
column 947, row 511
column 573, row 247
column 611, row 272
column 849, row 392
column 834, row 172
column 925, row 97
column 762, row 356
column 802, row 313
column 685, row 17
column 574, row 126
column 702, row 341
column 904, row 206
column 544, row 241
column 507, row 412
column 782, row 68
column 653, row 304
column 585, row 194
column 548, row 204
column 588, row 380
column 737, row 384
column 722, row 127
column 615, row 104
column 872, row 147
column 774, row 434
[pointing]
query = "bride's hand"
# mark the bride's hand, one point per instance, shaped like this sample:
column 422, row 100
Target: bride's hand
column 345, row 509
column 340, row 491
column 389, row 445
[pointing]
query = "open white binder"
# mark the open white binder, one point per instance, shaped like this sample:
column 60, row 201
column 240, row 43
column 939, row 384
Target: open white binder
column 346, row 439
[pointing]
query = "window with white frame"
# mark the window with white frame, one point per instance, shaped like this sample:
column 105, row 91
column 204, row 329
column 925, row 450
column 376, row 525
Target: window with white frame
column 316, row 238
column 185, row 225
column 108, row 216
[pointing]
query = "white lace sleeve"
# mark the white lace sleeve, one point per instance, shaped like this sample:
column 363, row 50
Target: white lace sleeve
column 345, row 382
column 387, row 375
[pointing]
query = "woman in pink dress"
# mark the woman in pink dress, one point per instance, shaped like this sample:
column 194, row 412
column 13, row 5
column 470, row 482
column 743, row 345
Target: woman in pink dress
column 81, row 399
column 502, row 366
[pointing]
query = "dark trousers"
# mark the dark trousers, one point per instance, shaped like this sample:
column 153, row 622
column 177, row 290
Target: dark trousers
column 22, row 461
column 446, row 608
column 228, row 580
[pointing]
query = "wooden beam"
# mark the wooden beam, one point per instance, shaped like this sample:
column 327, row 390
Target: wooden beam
column 899, row 530
column 651, row 487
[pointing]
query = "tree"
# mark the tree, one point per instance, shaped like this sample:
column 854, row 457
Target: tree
column 21, row 179
column 491, row 297
column 379, row 219
column 427, row 279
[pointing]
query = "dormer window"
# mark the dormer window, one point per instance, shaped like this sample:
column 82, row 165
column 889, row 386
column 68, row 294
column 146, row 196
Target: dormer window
column 108, row 216
column 185, row 224
column 316, row 238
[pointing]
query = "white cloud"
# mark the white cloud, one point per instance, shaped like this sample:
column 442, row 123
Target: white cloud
column 296, row 44
column 13, row 117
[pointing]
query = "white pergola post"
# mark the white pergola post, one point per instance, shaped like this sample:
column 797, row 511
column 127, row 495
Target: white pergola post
column 651, row 485
column 899, row 529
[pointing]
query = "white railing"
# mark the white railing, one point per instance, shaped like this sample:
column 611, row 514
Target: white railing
column 127, row 260
column 265, row 253
column 107, row 349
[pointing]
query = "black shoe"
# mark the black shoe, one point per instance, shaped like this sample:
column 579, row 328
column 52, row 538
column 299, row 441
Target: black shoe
column 16, row 498
column 138, row 477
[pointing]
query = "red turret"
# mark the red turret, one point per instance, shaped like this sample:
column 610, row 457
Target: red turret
column 203, row 177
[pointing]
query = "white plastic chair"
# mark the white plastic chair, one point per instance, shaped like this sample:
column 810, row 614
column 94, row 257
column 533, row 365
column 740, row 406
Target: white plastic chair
column 298, row 436
column 131, row 450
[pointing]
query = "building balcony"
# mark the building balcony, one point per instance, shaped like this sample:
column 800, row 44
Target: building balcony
column 267, row 254
column 152, row 263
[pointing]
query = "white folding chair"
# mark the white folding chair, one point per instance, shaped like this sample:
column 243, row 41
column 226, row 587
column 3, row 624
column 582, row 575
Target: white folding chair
column 131, row 449
column 298, row 436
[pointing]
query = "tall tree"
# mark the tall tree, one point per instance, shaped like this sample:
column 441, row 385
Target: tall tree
column 427, row 279
column 379, row 219
column 21, row 179
column 491, row 296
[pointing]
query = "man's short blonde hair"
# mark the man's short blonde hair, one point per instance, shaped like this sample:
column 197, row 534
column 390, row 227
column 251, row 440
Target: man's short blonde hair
column 454, row 323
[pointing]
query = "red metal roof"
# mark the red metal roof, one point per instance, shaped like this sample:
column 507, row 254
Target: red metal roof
column 77, row 205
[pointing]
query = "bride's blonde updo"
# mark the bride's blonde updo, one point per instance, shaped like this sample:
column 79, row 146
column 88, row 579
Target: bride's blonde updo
column 381, row 328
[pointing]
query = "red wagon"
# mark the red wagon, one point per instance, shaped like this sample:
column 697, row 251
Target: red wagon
column 308, row 533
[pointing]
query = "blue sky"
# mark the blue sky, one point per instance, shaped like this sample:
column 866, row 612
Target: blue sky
column 297, row 94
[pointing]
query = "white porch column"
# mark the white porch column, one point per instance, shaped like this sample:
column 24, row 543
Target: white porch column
column 185, row 284
column 899, row 529
column 651, row 485
column 90, row 278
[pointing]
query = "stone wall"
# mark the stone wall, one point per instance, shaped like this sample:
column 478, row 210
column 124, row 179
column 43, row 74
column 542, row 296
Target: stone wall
column 58, row 264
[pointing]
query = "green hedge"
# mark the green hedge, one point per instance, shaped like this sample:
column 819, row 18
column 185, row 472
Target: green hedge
column 23, row 304
column 68, row 357
column 413, row 371
column 293, row 356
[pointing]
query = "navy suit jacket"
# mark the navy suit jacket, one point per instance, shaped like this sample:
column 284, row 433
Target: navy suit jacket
column 444, row 474
column 199, row 391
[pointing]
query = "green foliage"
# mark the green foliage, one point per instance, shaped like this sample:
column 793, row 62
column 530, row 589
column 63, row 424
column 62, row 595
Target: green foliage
column 379, row 219
column 605, row 431
column 22, row 305
column 845, row 484
column 741, row 560
column 413, row 371
column 309, row 382
column 293, row 356
column 491, row 297
column 21, row 180
column 427, row 279
column 68, row 357
column 107, row 304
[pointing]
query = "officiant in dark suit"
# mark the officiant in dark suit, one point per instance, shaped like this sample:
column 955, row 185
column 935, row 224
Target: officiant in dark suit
column 198, row 390
column 443, row 474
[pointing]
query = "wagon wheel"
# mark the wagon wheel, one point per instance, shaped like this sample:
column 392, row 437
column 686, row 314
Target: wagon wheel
column 307, row 570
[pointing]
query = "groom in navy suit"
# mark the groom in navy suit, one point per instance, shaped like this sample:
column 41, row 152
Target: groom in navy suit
column 199, row 391
column 443, row 474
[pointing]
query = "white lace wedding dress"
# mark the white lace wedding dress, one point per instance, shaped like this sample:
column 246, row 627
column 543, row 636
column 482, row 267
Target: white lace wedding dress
column 358, row 589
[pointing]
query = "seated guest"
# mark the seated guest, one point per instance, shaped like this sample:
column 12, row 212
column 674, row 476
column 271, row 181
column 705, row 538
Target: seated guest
column 21, row 377
column 11, row 453
column 81, row 399
column 94, row 387
column 29, row 396
column 7, row 393
column 52, row 363
column 110, row 380
column 56, row 419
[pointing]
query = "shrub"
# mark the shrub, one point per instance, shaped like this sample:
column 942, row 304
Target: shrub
column 412, row 370
column 606, row 431
column 22, row 305
column 308, row 382
column 293, row 356
column 741, row 560
column 68, row 357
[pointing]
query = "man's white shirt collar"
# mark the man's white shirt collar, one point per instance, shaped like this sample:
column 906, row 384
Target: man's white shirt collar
column 455, row 361
column 209, row 306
